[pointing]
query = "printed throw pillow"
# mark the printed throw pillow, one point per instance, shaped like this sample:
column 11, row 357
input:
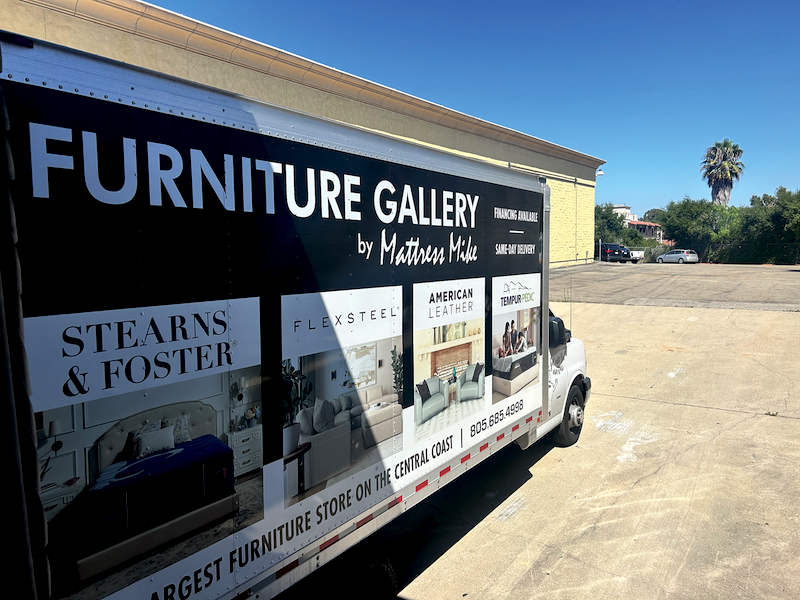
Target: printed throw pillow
column 156, row 441
column 306, row 419
column 323, row 415
column 424, row 392
column 477, row 374
column 135, row 434
column 180, row 427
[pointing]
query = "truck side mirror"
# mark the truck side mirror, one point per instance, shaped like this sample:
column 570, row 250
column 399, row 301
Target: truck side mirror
column 559, row 335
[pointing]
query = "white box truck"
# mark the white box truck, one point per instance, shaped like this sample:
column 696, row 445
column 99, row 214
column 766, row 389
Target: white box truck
column 255, row 336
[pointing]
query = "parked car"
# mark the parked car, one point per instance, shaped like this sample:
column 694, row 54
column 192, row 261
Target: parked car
column 614, row 253
column 679, row 256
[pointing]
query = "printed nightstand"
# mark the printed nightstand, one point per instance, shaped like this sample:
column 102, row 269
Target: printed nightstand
column 56, row 498
column 246, row 446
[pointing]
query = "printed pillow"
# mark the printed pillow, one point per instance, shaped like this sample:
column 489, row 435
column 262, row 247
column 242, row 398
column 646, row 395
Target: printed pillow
column 424, row 392
column 477, row 374
column 306, row 419
column 323, row 415
column 156, row 441
column 180, row 427
column 134, row 435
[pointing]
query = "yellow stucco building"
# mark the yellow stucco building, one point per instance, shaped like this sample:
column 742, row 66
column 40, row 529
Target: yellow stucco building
column 156, row 39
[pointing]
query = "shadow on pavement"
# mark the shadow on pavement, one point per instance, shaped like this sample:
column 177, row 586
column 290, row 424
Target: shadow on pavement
column 415, row 540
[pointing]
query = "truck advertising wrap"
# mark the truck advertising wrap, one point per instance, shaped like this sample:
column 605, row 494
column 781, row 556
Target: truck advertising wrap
column 247, row 340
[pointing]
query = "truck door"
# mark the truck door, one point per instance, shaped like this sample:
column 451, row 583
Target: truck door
column 557, row 379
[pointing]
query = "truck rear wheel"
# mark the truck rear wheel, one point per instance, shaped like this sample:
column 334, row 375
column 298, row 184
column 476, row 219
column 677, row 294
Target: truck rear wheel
column 571, row 425
column 379, row 583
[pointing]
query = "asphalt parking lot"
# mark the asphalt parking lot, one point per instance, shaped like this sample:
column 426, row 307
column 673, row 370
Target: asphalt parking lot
column 747, row 287
column 684, row 483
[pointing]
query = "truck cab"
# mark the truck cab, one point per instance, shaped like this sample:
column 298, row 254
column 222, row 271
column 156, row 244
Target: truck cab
column 567, row 381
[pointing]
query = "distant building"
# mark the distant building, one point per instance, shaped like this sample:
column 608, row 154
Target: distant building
column 625, row 212
column 651, row 231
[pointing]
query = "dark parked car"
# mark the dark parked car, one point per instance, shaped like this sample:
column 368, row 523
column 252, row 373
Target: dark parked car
column 614, row 253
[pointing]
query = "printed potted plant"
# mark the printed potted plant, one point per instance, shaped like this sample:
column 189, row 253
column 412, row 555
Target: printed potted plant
column 397, row 371
column 297, row 389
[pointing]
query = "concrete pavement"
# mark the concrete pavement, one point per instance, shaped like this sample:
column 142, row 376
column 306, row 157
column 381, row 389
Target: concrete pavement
column 684, row 483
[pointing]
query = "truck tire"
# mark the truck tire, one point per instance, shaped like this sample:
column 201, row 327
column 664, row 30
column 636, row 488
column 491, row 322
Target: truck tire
column 379, row 583
column 635, row 261
column 568, row 432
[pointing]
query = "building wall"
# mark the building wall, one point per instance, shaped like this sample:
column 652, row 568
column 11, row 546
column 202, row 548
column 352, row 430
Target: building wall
column 571, row 222
column 151, row 38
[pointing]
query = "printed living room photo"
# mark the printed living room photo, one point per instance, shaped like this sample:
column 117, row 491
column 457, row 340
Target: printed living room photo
column 449, row 366
column 343, row 386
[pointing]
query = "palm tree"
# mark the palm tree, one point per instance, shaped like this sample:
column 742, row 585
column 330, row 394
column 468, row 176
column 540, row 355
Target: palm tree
column 720, row 167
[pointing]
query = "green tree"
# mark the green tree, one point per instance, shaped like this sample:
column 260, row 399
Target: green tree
column 689, row 224
column 722, row 166
column 769, row 230
column 789, row 206
column 725, row 224
column 654, row 215
column 777, row 217
column 610, row 227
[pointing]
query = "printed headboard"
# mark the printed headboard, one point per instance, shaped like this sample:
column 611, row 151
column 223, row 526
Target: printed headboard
column 202, row 421
column 497, row 342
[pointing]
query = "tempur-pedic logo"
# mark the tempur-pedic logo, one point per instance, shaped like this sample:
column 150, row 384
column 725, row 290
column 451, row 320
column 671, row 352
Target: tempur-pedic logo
column 524, row 294
column 517, row 299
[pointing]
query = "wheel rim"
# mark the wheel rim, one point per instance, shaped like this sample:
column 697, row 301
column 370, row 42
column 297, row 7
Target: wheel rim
column 680, row 261
column 660, row 260
column 575, row 416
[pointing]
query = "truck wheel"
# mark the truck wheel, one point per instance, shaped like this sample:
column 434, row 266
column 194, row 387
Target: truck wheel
column 379, row 583
column 570, row 429
column 635, row 261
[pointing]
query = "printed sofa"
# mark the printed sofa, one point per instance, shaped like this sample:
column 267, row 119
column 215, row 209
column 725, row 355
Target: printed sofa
column 327, row 425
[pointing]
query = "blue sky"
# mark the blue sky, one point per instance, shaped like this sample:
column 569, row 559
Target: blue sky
column 646, row 86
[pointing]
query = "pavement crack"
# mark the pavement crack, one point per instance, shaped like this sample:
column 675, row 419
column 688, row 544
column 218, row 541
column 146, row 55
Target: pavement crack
column 680, row 452
column 689, row 405
column 771, row 370
column 547, row 562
